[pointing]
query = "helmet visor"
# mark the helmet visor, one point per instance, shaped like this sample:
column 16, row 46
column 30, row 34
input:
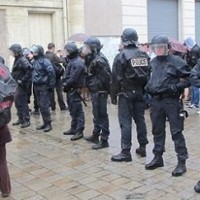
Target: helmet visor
column 34, row 50
column 86, row 49
column 159, row 49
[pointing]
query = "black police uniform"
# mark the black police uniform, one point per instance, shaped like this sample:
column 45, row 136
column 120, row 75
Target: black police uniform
column 169, row 77
column 26, row 53
column 43, row 78
column 22, row 74
column 73, row 81
column 195, row 81
column 129, row 76
column 98, row 83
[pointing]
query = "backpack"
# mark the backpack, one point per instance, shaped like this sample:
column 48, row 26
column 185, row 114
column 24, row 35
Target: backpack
column 59, row 70
column 7, row 91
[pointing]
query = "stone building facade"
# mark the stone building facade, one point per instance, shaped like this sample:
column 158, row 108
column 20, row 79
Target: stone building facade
column 41, row 21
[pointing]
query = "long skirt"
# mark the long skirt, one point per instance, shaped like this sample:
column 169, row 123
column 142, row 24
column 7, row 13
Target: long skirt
column 5, row 186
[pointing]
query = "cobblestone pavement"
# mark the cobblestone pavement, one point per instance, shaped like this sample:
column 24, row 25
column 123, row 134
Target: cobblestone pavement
column 50, row 166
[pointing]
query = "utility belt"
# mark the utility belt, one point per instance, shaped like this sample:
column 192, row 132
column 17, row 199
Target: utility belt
column 71, row 90
column 43, row 85
column 132, row 95
column 165, row 96
column 123, row 94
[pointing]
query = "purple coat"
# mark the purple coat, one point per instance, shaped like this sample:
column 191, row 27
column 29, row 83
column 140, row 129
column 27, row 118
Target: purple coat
column 5, row 135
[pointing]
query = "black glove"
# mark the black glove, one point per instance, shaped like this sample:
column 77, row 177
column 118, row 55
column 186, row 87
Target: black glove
column 66, row 89
column 114, row 100
column 49, row 89
column 19, row 82
column 173, row 88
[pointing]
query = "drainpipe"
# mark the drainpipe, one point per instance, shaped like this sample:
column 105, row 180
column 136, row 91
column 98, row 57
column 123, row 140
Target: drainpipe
column 65, row 20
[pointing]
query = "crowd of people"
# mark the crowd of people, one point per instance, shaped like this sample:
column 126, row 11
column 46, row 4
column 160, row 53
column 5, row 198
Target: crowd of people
column 133, row 77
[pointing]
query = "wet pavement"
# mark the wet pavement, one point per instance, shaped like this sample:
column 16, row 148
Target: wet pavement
column 50, row 166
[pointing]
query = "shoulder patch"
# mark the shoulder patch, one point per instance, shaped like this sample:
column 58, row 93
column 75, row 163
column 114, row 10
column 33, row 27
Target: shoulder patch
column 139, row 62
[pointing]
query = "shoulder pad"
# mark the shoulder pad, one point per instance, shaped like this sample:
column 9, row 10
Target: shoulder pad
column 177, row 61
column 46, row 61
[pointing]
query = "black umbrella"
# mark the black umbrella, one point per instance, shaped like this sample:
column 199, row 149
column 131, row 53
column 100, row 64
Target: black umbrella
column 7, row 83
column 7, row 90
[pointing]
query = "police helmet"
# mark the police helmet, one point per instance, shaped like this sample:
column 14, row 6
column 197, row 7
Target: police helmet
column 41, row 50
column 16, row 48
column 129, row 36
column 94, row 43
column 71, row 48
column 37, row 49
column 26, row 51
column 160, row 45
column 160, row 39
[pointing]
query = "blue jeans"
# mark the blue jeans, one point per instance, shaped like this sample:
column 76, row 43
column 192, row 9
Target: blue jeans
column 195, row 96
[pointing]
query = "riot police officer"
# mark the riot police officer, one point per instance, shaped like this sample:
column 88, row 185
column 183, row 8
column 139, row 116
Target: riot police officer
column 98, row 83
column 73, row 81
column 195, row 81
column 43, row 78
column 21, row 73
column 129, row 76
column 169, row 77
column 29, row 56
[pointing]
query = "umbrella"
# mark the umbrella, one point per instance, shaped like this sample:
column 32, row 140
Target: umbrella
column 78, row 37
column 7, row 83
column 177, row 46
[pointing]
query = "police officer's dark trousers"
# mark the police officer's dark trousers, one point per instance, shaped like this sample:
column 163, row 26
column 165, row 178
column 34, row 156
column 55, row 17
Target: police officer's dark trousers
column 36, row 107
column 160, row 110
column 76, row 111
column 126, row 111
column 21, row 103
column 100, row 115
column 42, row 96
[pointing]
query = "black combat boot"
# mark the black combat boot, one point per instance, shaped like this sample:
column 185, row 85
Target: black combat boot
column 180, row 169
column 155, row 163
column 18, row 122
column 64, row 108
column 197, row 187
column 125, row 156
column 25, row 124
column 70, row 132
column 141, row 151
column 93, row 138
column 41, row 127
column 102, row 144
column 48, row 127
column 78, row 135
